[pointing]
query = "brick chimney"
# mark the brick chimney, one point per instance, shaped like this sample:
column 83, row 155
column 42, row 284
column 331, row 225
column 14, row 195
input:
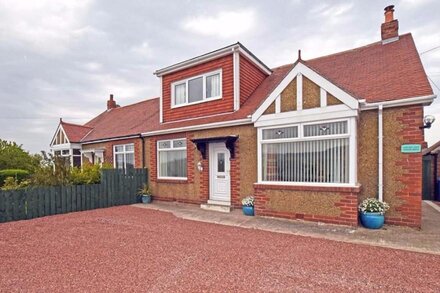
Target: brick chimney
column 111, row 104
column 390, row 28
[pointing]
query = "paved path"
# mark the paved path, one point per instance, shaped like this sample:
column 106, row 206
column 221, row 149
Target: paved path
column 425, row 240
column 132, row 249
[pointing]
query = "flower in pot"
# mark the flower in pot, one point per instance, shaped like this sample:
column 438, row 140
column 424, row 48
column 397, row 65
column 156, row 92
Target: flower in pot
column 372, row 213
column 248, row 205
column 145, row 194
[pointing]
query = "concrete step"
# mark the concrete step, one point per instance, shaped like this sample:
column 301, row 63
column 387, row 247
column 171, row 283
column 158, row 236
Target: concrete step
column 216, row 207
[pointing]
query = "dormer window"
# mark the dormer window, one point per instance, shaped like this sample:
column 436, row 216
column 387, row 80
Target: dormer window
column 197, row 89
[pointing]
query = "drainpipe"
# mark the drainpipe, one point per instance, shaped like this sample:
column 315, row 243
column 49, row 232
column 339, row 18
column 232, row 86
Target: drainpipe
column 380, row 152
column 143, row 151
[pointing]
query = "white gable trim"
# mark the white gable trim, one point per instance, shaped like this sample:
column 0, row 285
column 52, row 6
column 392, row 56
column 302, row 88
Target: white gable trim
column 309, row 115
column 236, row 66
column 60, row 128
column 302, row 69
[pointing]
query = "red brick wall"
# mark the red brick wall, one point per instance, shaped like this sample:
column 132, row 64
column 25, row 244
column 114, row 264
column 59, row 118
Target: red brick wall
column 340, row 209
column 108, row 149
column 226, row 104
column 409, row 183
column 250, row 78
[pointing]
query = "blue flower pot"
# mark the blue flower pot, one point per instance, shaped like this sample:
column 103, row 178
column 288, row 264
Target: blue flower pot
column 248, row 211
column 372, row 220
column 146, row 198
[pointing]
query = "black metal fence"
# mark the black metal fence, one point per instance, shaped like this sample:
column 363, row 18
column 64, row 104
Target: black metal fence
column 116, row 188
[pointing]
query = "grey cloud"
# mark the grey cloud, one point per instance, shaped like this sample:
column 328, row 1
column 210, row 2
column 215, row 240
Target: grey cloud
column 103, row 47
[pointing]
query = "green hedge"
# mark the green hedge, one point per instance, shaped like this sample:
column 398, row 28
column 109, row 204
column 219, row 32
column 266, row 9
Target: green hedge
column 16, row 173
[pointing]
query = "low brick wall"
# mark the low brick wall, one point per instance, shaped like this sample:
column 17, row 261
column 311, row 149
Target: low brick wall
column 335, row 205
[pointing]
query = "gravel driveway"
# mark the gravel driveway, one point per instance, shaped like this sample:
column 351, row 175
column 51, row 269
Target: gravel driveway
column 131, row 249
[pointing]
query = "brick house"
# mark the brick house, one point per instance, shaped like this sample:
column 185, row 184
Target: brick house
column 309, row 139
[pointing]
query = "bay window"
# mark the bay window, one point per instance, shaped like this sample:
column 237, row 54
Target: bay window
column 123, row 156
column 171, row 161
column 315, row 153
column 197, row 89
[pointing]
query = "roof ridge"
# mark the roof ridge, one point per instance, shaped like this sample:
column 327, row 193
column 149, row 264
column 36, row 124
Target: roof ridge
column 73, row 124
column 353, row 49
column 134, row 104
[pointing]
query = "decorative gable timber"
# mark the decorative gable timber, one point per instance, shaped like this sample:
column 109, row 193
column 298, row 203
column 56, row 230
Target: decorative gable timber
column 60, row 137
column 329, row 93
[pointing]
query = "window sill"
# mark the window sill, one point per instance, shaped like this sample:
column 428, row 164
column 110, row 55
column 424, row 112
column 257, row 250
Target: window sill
column 172, row 180
column 300, row 187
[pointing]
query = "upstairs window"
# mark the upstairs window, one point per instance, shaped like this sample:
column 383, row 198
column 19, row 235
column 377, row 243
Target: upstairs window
column 197, row 89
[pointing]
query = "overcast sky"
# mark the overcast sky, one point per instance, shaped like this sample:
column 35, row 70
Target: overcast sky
column 63, row 58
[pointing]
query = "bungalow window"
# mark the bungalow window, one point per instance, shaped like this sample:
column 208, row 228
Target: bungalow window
column 123, row 156
column 198, row 89
column 315, row 153
column 172, row 159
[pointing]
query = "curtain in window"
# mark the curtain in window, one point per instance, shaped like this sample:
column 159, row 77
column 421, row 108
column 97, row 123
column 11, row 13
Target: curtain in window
column 213, row 86
column 319, row 161
column 119, row 161
column 180, row 94
column 129, row 161
column 172, row 163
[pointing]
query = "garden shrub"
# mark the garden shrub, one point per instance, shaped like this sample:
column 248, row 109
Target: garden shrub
column 16, row 174
column 11, row 183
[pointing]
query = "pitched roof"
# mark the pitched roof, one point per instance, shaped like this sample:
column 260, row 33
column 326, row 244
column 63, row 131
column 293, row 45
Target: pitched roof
column 75, row 132
column 123, row 121
column 377, row 72
column 434, row 149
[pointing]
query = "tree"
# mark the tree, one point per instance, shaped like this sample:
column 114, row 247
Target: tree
column 12, row 156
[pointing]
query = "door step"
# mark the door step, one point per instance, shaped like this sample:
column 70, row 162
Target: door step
column 216, row 207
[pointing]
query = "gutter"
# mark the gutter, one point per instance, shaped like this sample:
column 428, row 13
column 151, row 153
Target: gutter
column 425, row 100
column 110, row 139
column 200, row 127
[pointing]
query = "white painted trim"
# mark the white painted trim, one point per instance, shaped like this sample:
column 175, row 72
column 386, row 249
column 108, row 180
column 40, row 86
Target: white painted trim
column 200, row 127
column 351, row 134
column 353, row 151
column 195, row 61
column 425, row 100
column 329, row 87
column 211, row 56
column 172, row 148
column 124, row 152
column 278, row 105
column 259, row 155
column 255, row 61
column 299, row 92
column 59, row 128
column 323, row 97
column 309, row 115
column 236, row 67
column 311, row 184
column 66, row 146
column 380, row 153
column 204, row 98
column 161, row 100
column 110, row 139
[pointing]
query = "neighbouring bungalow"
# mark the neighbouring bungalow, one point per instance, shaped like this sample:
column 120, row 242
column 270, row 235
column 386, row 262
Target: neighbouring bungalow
column 431, row 172
column 309, row 139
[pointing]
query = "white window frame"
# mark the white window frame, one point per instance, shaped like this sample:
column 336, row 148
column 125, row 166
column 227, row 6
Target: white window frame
column 172, row 148
column 351, row 134
column 204, row 98
column 124, row 152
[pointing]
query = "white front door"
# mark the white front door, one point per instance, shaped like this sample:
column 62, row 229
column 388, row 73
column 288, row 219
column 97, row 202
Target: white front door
column 219, row 167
